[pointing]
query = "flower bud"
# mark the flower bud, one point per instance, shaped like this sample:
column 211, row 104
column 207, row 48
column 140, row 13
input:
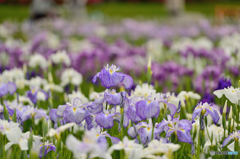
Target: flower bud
column 225, row 108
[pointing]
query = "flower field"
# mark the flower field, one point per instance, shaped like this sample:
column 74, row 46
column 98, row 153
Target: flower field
column 124, row 90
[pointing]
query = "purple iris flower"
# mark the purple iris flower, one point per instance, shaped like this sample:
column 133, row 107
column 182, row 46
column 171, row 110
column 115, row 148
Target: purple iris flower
column 147, row 108
column 181, row 128
column 53, row 117
column 19, row 107
column 233, row 135
column 205, row 109
column 33, row 94
column 47, row 148
column 75, row 111
column 132, row 111
column 114, row 98
column 144, row 130
column 29, row 112
column 6, row 88
column 101, row 136
column 105, row 119
column 223, row 83
column 164, row 99
column 109, row 77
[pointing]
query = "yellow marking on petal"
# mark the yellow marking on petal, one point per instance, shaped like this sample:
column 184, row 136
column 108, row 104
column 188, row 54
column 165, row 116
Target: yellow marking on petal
column 74, row 109
column 111, row 71
column 149, row 102
column 148, row 128
column 182, row 130
column 33, row 91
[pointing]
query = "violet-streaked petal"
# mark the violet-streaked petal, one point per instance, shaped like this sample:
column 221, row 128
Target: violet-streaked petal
column 109, row 80
column 196, row 113
column 104, row 120
column 227, row 140
column 128, row 81
column 214, row 114
column 11, row 87
column 184, row 136
column 53, row 116
column 3, row 90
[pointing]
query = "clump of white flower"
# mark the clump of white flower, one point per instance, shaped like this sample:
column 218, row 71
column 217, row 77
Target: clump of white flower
column 186, row 95
column 37, row 82
column 79, row 95
column 12, row 75
column 144, row 90
column 37, row 60
column 53, row 40
column 197, row 44
column 61, row 57
column 71, row 76
column 77, row 46
column 154, row 48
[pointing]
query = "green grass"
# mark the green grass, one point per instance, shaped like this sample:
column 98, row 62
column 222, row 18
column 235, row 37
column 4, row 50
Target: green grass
column 119, row 10
column 13, row 12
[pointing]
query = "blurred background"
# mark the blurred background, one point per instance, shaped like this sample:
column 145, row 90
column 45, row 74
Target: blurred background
column 21, row 9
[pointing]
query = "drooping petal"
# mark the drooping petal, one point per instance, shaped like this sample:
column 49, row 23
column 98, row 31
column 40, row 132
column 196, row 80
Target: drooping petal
column 128, row 81
column 105, row 120
column 3, row 90
column 94, row 80
column 169, row 132
column 53, row 115
column 132, row 132
column 227, row 140
column 184, row 136
column 186, row 124
column 214, row 114
column 60, row 110
column 14, row 134
column 145, row 110
column 172, row 108
column 109, row 80
column 113, row 99
column 8, row 145
column 11, row 87
column 23, row 144
column 196, row 113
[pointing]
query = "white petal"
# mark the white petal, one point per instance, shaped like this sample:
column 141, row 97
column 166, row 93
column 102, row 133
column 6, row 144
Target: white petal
column 14, row 134
column 118, row 146
column 8, row 145
column 23, row 144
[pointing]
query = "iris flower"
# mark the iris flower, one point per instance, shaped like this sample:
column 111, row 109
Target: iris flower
column 109, row 77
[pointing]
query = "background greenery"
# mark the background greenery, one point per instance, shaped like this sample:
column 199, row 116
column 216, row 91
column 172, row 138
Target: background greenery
column 121, row 10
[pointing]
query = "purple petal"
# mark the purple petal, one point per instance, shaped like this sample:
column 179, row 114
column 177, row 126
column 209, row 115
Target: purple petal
column 3, row 90
column 196, row 113
column 113, row 99
column 145, row 110
column 60, row 110
column 128, row 81
column 104, row 120
column 132, row 132
column 11, row 87
column 214, row 114
column 227, row 140
column 109, row 80
column 94, row 80
column 184, row 136
column 186, row 124
column 53, row 115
